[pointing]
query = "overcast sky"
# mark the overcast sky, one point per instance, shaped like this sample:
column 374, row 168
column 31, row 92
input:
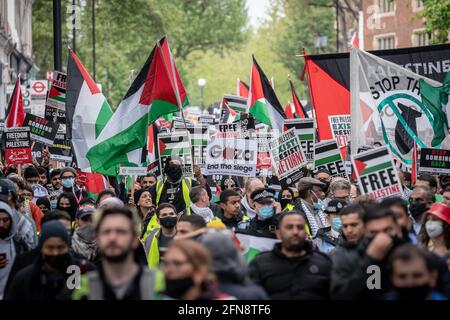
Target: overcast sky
column 257, row 9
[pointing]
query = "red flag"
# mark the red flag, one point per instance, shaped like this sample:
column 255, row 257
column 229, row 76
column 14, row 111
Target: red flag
column 16, row 113
column 242, row 89
column 299, row 110
column 288, row 111
column 355, row 40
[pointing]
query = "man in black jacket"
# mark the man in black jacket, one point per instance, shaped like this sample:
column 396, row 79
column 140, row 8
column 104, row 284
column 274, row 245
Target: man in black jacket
column 292, row 270
column 48, row 277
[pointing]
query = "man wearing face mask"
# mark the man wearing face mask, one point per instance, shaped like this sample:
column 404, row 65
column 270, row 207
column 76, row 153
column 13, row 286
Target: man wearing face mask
column 175, row 188
column 267, row 212
column 158, row 240
column 46, row 278
column 420, row 201
column 310, row 204
column 68, row 185
column 119, row 276
column 83, row 240
column 327, row 238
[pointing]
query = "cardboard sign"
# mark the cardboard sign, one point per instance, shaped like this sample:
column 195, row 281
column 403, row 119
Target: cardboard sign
column 236, row 157
column 41, row 130
column 340, row 128
column 56, row 97
column 133, row 171
column 306, row 132
column 376, row 173
column 176, row 145
column 199, row 142
column 434, row 161
column 208, row 119
column 327, row 156
column 61, row 149
column 287, row 157
column 244, row 128
column 18, row 146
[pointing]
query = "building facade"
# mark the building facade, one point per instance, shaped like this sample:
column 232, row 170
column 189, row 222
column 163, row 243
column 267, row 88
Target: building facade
column 390, row 24
column 15, row 45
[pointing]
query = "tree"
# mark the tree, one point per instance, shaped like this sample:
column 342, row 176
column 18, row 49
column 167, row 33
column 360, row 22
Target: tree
column 126, row 31
column 437, row 14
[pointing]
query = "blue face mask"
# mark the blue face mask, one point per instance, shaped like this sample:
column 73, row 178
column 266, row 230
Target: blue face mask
column 53, row 204
column 266, row 212
column 67, row 183
column 336, row 224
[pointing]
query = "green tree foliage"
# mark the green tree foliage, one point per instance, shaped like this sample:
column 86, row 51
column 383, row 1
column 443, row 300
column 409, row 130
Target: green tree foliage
column 127, row 30
column 437, row 14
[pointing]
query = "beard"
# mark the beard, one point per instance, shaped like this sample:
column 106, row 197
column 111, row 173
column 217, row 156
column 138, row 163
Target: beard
column 118, row 257
column 294, row 244
column 4, row 233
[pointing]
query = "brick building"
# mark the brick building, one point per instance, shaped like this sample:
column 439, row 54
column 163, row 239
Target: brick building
column 392, row 24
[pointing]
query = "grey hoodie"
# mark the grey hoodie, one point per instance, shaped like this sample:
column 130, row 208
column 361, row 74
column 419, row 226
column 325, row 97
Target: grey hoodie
column 7, row 246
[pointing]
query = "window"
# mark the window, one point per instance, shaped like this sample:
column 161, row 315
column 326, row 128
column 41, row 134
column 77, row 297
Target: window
column 422, row 38
column 417, row 5
column 386, row 6
column 386, row 43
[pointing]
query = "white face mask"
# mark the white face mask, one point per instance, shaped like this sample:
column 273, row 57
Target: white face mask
column 434, row 228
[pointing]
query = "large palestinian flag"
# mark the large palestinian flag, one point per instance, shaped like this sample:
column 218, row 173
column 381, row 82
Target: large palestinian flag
column 263, row 103
column 156, row 91
column 330, row 74
column 87, row 111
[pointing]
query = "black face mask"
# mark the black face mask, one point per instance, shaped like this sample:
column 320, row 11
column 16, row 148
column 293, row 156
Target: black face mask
column 57, row 262
column 177, row 288
column 168, row 222
column 413, row 293
column 174, row 172
column 326, row 187
column 285, row 202
column 417, row 209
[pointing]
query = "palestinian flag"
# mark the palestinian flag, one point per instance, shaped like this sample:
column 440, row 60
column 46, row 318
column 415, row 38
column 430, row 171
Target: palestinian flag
column 263, row 103
column 330, row 74
column 242, row 89
column 231, row 108
column 299, row 110
column 254, row 245
column 87, row 111
column 156, row 91
column 16, row 113
column 373, row 162
column 326, row 152
column 94, row 183
column 288, row 111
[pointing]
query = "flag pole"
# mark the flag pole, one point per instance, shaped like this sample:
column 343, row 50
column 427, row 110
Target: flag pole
column 16, row 111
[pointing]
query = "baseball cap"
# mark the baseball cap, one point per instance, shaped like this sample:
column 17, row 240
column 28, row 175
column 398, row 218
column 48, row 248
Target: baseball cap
column 84, row 213
column 6, row 186
column 335, row 206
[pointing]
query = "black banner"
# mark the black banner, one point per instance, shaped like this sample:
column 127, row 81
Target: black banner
column 41, row 130
column 55, row 115
column 61, row 149
column 434, row 161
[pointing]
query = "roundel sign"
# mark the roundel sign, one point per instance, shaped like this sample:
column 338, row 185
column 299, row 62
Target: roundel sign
column 38, row 88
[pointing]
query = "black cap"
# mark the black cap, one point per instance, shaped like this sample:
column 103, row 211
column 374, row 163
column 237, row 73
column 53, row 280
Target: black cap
column 263, row 195
column 335, row 206
column 84, row 212
column 6, row 186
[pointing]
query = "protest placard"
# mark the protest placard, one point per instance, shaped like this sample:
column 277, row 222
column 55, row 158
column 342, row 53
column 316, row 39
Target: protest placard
column 176, row 145
column 434, row 161
column 56, row 97
column 17, row 145
column 244, row 128
column 264, row 161
column 133, row 171
column 340, row 128
column 236, row 157
column 376, row 173
column 41, row 130
column 327, row 156
column 306, row 132
column 287, row 157
column 61, row 149
column 199, row 142
column 55, row 115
